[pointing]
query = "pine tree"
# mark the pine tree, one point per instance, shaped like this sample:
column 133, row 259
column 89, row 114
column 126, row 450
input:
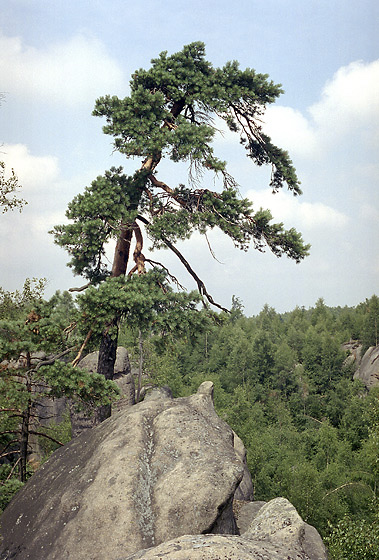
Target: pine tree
column 171, row 113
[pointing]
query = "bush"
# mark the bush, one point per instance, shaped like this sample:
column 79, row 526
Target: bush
column 353, row 540
column 8, row 489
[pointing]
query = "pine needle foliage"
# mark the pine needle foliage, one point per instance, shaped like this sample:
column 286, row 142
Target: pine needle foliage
column 171, row 113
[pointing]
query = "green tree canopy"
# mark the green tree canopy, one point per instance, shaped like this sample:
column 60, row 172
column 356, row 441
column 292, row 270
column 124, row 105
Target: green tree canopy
column 172, row 112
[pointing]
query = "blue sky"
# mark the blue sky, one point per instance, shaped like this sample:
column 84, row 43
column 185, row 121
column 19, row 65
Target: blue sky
column 56, row 57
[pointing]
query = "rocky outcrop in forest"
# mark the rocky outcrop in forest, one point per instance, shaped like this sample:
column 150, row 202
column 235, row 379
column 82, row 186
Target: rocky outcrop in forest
column 123, row 378
column 368, row 370
column 276, row 532
column 133, row 486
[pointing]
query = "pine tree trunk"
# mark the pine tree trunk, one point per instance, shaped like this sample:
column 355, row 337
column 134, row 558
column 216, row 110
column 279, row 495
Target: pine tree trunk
column 24, row 441
column 105, row 366
column 24, row 432
column 108, row 344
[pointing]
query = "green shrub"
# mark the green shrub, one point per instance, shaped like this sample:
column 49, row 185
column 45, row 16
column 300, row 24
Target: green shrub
column 354, row 540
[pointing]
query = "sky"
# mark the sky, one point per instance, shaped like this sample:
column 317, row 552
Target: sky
column 57, row 57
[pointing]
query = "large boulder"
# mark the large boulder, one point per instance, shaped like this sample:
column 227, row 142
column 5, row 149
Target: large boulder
column 368, row 371
column 276, row 532
column 151, row 472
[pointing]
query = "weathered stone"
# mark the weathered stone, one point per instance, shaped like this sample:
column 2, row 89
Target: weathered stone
column 245, row 490
column 276, row 533
column 245, row 512
column 368, row 371
column 151, row 472
column 354, row 348
column 278, row 522
column 81, row 421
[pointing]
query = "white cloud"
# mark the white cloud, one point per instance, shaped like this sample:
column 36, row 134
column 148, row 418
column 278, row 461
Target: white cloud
column 348, row 110
column 70, row 72
column 293, row 212
column 290, row 129
column 33, row 172
column 351, row 98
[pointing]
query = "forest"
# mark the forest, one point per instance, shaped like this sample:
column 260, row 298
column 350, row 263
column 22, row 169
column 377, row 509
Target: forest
column 283, row 382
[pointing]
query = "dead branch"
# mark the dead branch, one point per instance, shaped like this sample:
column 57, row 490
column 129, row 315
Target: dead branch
column 172, row 277
column 81, row 289
column 46, row 436
column 2, row 452
column 200, row 284
column 344, row 486
column 211, row 250
column 76, row 360
column 13, row 468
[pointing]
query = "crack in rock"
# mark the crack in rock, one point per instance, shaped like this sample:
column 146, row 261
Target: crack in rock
column 145, row 486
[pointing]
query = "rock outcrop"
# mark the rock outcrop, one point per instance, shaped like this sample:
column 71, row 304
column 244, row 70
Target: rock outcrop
column 276, row 532
column 245, row 489
column 368, row 371
column 354, row 350
column 134, row 486
column 123, row 377
column 154, row 471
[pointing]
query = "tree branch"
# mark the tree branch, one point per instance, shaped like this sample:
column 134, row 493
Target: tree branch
column 51, row 361
column 46, row 436
column 81, row 289
column 200, row 284
column 13, row 468
column 76, row 360
column 344, row 486
column 173, row 278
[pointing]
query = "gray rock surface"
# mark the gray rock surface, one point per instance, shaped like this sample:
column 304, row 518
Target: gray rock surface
column 151, row 472
column 277, row 532
column 245, row 490
column 368, row 371
column 245, row 512
column 353, row 347
column 278, row 522
column 123, row 377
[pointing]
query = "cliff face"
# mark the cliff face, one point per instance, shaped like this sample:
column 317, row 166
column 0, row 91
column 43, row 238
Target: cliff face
column 368, row 370
column 151, row 473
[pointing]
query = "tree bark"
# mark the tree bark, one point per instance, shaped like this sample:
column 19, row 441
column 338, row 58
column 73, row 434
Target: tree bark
column 105, row 365
column 25, row 422
column 24, row 441
column 108, row 345
column 121, row 254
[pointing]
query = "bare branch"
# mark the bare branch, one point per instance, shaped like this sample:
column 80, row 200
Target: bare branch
column 75, row 362
column 2, row 452
column 211, row 250
column 200, row 284
column 172, row 277
column 13, row 468
column 46, row 436
column 81, row 289
column 344, row 486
